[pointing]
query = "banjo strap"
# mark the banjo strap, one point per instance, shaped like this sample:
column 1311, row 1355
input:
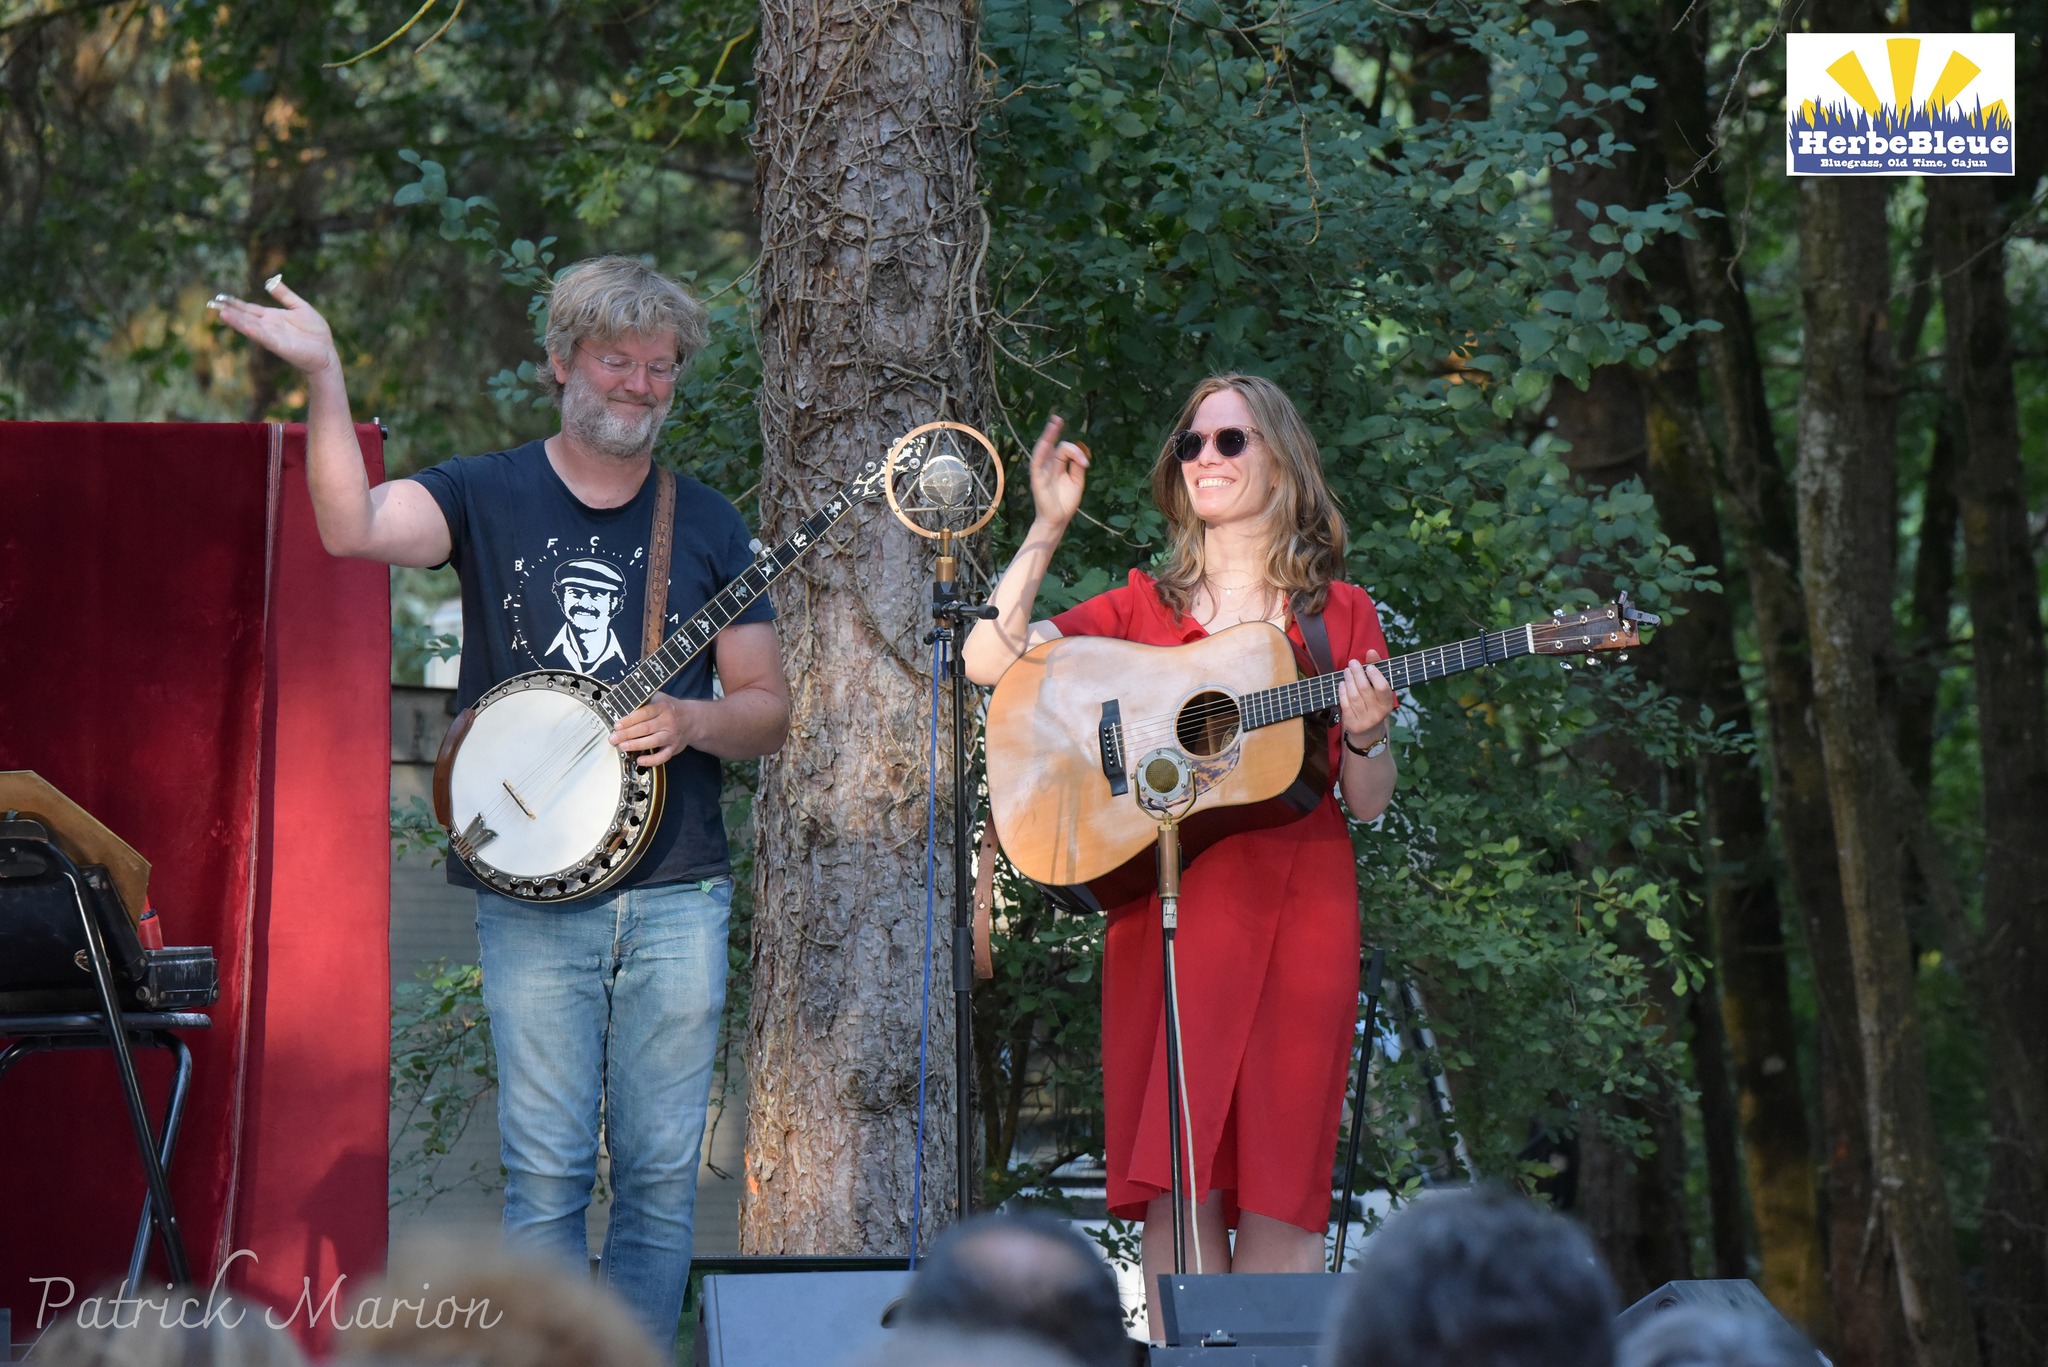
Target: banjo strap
column 657, row 560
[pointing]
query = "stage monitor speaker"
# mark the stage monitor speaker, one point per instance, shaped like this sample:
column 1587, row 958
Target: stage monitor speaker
column 1730, row 1294
column 775, row 1319
column 1273, row 1319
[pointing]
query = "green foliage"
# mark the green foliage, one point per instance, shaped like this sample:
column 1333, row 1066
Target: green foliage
column 150, row 156
column 442, row 1075
column 413, row 829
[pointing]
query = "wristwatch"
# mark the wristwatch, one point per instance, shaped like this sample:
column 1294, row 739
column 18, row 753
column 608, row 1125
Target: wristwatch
column 1375, row 748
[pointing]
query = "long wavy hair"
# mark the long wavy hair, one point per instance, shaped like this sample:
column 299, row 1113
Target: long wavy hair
column 1303, row 531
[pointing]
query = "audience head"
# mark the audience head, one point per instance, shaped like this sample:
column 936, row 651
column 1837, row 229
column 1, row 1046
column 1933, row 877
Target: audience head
column 167, row 1328
column 487, row 1306
column 1026, row 1273
column 1476, row 1278
column 930, row 1347
column 1698, row 1336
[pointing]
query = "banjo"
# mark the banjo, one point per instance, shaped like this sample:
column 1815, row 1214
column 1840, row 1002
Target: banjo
column 537, row 803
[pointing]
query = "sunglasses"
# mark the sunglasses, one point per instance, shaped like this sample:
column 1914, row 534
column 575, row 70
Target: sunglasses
column 1230, row 443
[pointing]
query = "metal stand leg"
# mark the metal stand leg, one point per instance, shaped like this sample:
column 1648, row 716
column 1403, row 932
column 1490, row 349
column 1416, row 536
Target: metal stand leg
column 174, row 1113
column 1372, row 1012
column 131, row 1090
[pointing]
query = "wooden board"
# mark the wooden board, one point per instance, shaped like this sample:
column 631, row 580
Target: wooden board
column 78, row 833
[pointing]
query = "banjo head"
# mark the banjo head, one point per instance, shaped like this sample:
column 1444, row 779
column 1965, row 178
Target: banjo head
column 542, row 807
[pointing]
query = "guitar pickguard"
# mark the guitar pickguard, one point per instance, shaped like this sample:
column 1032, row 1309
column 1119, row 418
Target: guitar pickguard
column 1210, row 772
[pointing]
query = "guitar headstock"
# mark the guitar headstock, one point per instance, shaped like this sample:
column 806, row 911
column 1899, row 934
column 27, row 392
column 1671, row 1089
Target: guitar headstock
column 1616, row 626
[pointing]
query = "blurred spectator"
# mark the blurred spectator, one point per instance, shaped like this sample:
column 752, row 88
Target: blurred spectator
column 1476, row 1278
column 442, row 1302
column 922, row 1347
column 1697, row 1336
column 166, row 1328
column 1026, row 1273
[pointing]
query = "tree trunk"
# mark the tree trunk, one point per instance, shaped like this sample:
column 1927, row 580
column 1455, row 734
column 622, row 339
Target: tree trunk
column 1632, row 1205
column 1750, row 1013
column 2011, row 966
column 870, row 323
column 1845, row 535
column 1934, row 581
column 1830, row 1284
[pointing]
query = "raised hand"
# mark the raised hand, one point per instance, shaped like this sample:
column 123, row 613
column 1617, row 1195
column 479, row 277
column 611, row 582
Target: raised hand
column 1059, row 471
column 296, row 333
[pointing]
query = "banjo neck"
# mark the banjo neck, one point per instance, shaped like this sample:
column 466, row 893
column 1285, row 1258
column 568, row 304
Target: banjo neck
column 645, row 679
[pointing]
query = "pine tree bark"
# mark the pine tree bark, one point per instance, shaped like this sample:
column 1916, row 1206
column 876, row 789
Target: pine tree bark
column 870, row 322
column 1845, row 479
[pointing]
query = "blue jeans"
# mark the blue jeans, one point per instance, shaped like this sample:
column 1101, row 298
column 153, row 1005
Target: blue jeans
column 612, row 1004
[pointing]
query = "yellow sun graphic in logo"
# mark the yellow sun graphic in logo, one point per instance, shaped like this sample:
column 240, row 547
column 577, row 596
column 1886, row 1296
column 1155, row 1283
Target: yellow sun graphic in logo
column 1904, row 57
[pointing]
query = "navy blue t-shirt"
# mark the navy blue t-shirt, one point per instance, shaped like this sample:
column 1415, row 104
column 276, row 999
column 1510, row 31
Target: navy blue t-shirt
column 549, row 582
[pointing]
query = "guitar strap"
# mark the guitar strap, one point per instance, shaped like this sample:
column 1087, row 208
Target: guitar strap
column 657, row 560
column 984, row 903
column 1317, row 637
column 1320, row 658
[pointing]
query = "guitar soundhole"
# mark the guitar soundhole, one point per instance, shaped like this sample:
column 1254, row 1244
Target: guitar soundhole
column 1207, row 725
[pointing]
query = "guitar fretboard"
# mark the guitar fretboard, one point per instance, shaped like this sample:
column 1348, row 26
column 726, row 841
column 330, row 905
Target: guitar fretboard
column 1270, row 705
column 643, row 680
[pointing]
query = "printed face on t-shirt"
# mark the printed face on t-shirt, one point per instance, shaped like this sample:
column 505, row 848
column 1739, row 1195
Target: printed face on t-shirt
column 588, row 592
column 588, row 609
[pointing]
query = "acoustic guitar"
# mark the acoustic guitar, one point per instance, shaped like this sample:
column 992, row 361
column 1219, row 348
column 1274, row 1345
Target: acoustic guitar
column 1092, row 740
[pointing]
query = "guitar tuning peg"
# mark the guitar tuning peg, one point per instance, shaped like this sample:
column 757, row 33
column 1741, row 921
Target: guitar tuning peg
column 1624, row 657
column 1566, row 663
column 1557, row 614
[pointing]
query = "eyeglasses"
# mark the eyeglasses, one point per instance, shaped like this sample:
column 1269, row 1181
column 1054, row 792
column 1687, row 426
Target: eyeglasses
column 1230, row 443
column 658, row 372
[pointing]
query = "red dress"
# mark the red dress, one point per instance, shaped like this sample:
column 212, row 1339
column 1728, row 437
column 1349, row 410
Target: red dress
column 1267, row 953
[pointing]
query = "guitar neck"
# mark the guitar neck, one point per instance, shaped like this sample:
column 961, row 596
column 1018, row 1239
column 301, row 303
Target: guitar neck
column 1268, row 706
column 645, row 679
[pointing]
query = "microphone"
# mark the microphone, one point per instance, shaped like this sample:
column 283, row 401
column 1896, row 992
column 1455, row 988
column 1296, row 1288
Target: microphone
column 945, row 482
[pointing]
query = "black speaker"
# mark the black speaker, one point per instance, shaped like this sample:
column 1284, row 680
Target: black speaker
column 1273, row 1319
column 1731, row 1294
column 775, row 1319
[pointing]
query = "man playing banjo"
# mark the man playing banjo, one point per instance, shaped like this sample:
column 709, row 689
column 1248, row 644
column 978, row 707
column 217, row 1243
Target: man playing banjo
column 607, row 1003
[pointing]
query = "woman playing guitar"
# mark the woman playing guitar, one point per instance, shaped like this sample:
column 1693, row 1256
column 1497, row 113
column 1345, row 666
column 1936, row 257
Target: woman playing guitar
column 1268, row 938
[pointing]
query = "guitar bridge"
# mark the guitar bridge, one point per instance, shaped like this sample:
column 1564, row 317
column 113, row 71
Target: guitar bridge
column 1109, row 737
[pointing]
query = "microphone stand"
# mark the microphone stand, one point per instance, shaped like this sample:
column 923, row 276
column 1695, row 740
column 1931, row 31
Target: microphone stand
column 952, row 618
column 1373, row 972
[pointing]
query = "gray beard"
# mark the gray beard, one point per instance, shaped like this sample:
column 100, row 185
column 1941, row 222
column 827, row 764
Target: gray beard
column 587, row 417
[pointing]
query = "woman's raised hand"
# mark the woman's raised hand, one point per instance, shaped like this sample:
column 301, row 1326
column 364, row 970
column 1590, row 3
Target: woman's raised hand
column 1059, row 471
column 296, row 333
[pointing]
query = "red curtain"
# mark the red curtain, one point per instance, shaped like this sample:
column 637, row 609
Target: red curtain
column 180, row 657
